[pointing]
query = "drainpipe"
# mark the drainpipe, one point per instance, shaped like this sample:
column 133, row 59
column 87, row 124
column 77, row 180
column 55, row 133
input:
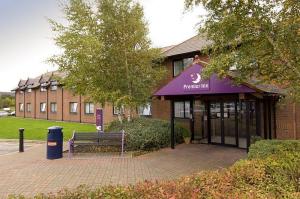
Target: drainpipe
column 172, row 124
column 24, row 106
column 16, row 103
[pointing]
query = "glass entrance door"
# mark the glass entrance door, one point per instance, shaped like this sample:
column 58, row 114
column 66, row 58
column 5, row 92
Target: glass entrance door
column 223, row 123
column 230, row 117
column 215, row 122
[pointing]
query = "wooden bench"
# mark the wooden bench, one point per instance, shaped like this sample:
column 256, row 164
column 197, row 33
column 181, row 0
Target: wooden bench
column 97, row 139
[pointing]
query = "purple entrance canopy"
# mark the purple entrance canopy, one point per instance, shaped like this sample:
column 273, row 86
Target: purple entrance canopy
column 189, row 82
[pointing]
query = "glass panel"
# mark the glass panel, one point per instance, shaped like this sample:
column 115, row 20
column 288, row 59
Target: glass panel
column 215, row 122
column 242, row 125
column 53, row 107
column 43, row 107
column 200, row 120
column 187, row 62
column 229, row 123
column 187, row 109
column 252, row 117
column 179, row 109
column 178, row 67
column 21, row 107
column 87, row 108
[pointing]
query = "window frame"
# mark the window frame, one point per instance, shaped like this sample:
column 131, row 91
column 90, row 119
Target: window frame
column 51, row 106
column 185, row 110
column 116, row 111
column 89, row 107
column 183, row 66
column 41, row 111
column 28, row 109
column 148, row 105
column 70, row 108
column 21, row 110
column 43, row 89
column 53, row 88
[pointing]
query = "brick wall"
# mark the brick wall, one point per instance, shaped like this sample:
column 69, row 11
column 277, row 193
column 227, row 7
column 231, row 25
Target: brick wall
column 55, row 96
column 41, row 97
column 288, row 120
column 29, row 99
column 19, row 99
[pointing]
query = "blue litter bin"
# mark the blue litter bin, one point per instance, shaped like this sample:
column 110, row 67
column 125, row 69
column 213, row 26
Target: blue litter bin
column 54, row 143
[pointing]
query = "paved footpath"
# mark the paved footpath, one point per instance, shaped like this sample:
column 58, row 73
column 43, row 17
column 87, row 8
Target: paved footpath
column 30, row 172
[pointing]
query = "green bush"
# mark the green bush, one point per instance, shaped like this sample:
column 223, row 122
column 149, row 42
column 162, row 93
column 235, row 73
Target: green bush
column 282, row 161
column 147, row 134
column 265, row 148
column 186, row 133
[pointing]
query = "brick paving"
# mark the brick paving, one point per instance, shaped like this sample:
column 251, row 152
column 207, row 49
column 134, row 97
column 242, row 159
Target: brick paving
column 30, row 172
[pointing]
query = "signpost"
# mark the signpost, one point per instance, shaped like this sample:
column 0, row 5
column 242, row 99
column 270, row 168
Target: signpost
column 99, row 119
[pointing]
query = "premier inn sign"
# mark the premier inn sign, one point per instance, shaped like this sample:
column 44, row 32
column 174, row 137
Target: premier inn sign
column 190, row 82
column 196, row 83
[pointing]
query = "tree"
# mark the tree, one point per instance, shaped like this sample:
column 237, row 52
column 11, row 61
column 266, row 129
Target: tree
column 107, row 54
column 260, row 38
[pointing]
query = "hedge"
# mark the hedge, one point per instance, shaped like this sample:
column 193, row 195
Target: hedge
column 259, row 176
column 147, row 134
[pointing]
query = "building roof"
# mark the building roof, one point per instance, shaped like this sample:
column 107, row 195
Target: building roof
column 194, row 44
column 45, row 78
column 189, row 82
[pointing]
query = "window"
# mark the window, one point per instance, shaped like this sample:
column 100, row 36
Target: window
column 53, row 87
column 73, row 107
column 28, row 107
column 29, row 90
column 180, row 65
column 145, row 110
column 21, row 107
column 43, row 107
column 89, row 108
column 53, row 107
column 182, row 109
column 118, row 111
column 43, row 89
column 21, row 92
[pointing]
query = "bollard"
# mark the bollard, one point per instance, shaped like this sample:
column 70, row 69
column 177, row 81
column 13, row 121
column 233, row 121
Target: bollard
column 21, row 140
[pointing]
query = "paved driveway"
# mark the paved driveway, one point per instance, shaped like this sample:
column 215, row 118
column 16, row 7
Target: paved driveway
column 7, row 147
column 30, row 172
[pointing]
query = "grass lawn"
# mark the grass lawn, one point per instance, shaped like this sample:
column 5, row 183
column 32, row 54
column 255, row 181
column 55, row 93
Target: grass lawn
column 37, row 129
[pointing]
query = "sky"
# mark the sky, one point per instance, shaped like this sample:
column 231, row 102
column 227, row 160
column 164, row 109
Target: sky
column 26, row 39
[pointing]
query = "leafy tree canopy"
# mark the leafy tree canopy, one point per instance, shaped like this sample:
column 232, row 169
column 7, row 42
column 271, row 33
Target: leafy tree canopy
column 260, row 38
column 107, row 54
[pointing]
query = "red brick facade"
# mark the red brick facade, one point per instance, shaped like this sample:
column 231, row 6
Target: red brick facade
column 62, row 98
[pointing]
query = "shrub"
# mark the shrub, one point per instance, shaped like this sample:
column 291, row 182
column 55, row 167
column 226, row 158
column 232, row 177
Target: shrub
column 265, row 148
column 186, row 133
column 147, row 134
column 282, row 161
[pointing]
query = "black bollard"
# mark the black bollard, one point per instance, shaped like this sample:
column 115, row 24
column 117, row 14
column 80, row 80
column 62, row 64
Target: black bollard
column 21, row 140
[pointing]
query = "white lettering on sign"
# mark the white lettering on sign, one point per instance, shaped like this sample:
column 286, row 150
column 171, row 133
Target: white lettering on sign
column 195, row 86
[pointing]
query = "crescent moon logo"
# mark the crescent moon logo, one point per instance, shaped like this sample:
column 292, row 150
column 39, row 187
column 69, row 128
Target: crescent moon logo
column 196, row 78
